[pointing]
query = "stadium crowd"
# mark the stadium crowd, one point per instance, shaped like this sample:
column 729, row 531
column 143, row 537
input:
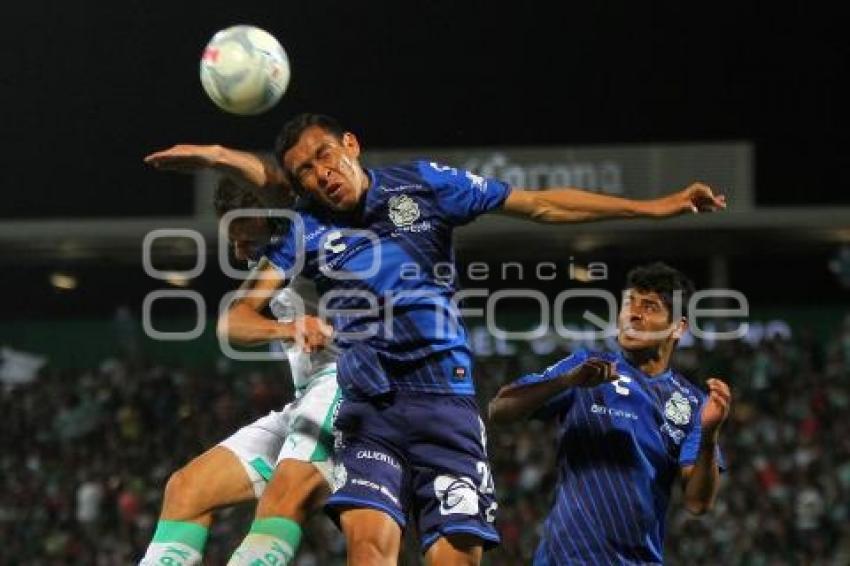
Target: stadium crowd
column 85, row 456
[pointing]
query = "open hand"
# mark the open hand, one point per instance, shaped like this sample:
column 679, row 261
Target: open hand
column 185, row 158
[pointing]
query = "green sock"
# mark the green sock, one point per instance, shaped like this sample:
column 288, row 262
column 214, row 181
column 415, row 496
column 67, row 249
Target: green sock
column 272, row 541
column 176, row 543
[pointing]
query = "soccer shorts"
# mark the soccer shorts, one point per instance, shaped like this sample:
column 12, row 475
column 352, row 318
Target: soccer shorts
column 416, row 455
column 303, row 431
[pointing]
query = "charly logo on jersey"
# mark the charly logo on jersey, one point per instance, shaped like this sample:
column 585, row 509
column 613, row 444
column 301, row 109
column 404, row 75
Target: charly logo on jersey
column 404, row 211
column 677, row 409
column 334, row 242
column 457, row 495
column 621, row 384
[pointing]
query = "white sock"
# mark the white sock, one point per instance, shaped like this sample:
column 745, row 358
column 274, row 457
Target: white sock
column 170, row 554
column 262, row 550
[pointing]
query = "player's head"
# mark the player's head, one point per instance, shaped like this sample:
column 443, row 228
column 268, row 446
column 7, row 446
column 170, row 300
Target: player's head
column 249, row 234
column 321, row 159
column 654, row 310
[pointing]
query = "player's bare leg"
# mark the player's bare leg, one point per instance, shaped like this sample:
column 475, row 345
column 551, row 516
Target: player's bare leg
column 455, row 550
column 296, row 489
column 214, row 479
column 373, row 537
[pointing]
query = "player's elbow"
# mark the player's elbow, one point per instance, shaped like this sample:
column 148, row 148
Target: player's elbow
column 222, row 327
column 228, row 325
column 546, row 213
column 531, row 205
column 496, row 413
column 501, row 409
column 235, row 325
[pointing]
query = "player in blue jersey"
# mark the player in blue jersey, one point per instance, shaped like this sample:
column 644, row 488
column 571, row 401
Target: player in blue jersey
column 628, row 428
column 412, row 441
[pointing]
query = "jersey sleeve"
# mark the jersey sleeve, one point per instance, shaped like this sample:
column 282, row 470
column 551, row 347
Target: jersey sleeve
column 282, row 255
column 462, row 195
column 562, row 400
column 690, row 445
column 289, row 253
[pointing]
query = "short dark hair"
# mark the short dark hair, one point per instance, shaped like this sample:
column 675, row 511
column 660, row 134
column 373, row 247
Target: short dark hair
column 230, row 195
column 294, row 127
column 660, row 278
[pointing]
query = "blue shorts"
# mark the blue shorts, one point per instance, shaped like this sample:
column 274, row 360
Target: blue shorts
column 416, row 455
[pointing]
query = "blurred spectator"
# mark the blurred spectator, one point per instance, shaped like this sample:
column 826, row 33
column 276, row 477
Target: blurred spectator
column 89, row 498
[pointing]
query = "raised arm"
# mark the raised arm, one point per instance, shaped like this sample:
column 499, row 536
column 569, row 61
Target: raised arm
column 244, row 324
column 566, row 204
column 252, row 168
column 702, row 479
column 517, row 402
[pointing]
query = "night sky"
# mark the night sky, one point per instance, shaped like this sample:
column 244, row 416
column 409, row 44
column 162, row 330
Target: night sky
column 89, row 87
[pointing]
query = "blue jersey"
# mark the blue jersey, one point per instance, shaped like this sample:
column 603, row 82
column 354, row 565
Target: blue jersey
column 384, row 273
column 620, row 449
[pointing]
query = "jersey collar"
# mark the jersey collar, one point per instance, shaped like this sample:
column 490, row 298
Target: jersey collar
column 666, row 374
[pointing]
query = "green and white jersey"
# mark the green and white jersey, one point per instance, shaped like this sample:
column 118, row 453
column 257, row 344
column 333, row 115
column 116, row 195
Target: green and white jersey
column 303, row 430
column 298, row 298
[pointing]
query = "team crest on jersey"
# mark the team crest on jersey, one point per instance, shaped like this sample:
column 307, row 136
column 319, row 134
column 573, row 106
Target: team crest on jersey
column 678, row 409
column 403, row 210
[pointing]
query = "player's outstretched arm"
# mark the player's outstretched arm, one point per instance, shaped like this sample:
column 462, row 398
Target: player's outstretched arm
column 562, row 205
column 243, row 322
column 252, row 168
column 517, row 402
column 702, row 479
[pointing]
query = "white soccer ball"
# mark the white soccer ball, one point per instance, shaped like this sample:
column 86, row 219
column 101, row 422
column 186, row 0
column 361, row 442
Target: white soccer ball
column 244, row 70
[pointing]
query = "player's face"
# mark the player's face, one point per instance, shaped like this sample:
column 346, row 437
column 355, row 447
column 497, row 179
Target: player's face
column 248, row 236
column 327, row 168
column 644, row 321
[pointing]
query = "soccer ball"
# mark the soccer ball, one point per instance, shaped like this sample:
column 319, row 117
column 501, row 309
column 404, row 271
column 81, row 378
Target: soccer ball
column 244, row 70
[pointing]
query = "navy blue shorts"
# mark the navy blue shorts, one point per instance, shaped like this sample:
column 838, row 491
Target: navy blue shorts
column 416, row 455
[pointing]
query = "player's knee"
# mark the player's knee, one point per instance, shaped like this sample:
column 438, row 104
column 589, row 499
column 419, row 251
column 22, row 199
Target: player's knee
column 283, row 503
column 181, row 499
column 370, row 539
column 290, row 499
column 367, row 551
column 370, row 550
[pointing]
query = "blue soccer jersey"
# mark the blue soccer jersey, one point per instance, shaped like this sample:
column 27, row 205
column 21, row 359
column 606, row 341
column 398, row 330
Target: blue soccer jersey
column 620, row 448
column 383, row 273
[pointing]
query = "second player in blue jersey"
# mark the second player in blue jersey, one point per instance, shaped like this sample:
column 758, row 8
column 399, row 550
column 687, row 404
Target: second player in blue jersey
column 629, row 427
